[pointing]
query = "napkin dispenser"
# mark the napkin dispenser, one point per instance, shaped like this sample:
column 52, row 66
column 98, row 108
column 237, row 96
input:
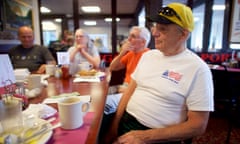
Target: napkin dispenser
column 21, row 74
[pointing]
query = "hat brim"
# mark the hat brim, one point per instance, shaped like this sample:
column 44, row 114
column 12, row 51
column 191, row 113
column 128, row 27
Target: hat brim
column 159, row 19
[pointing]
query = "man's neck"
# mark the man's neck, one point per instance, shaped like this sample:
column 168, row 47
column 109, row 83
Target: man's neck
column 27, row 46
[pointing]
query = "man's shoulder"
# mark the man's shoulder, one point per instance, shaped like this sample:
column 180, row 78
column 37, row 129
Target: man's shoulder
column 37, row 46
column 14, row 48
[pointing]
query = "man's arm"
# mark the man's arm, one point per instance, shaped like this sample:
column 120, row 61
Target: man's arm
column 48, row 58
column 116, row 63
column 120, row 110
column 195, row 125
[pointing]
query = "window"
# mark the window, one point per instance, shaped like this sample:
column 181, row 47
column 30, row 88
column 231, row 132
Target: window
column 49, row 36
column 197, row 34
column 235, row 24
column 141, row 18
column 50, row 32
column 215, row 42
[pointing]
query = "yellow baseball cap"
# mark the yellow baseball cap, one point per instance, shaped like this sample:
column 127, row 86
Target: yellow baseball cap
column 177, row 13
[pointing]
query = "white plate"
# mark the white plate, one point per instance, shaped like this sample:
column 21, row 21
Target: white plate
column 42, row 139
column 98, row 74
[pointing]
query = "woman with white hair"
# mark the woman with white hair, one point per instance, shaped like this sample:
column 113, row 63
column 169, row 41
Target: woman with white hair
column 83, row 50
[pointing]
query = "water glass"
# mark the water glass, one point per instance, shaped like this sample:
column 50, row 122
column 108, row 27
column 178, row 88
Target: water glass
column 11, row 114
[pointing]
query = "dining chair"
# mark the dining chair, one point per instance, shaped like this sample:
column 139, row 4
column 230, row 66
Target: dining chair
column 226, row 96
column 234, row 110
column 117, row 77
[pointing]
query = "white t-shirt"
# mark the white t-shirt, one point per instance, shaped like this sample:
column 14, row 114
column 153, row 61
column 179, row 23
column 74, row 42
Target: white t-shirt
column 169, row 86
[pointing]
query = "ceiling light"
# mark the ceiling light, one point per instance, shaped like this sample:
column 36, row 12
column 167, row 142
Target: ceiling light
column 58, row 20
column 218, row 7
column 45, row 10
column 110, row 19
column 91, row 9
column 90, row 23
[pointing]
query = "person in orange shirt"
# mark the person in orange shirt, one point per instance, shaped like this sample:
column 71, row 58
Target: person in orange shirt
column 130, row 53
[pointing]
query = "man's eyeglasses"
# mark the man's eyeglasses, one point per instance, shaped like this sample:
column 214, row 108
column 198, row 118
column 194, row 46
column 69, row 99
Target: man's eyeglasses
column 134, row 36
column 169, row 12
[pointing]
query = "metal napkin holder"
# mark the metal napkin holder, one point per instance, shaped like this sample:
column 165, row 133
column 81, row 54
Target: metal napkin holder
column 9, row 90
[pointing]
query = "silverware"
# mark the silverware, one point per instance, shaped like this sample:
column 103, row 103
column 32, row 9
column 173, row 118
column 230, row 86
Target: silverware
column 36, row 126
column 44, row 129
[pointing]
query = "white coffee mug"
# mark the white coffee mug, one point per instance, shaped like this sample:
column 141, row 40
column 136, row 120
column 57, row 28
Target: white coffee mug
column 85, row 66
column 34, row 81
column 71, row 112
column 50, row 69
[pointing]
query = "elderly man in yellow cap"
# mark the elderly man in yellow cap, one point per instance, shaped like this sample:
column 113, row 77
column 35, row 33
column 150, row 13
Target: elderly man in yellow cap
column 171, row 92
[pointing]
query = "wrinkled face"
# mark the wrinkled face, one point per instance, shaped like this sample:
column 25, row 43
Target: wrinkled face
column 26, row 37
column 167, row 37
column 81, row 38
column 136, row 41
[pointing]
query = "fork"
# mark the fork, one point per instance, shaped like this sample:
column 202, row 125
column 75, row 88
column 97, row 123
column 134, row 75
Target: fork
column 37, row 125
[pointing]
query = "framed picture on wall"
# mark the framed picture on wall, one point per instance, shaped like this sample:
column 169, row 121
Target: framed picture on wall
column 235, row 23
column 15, row 13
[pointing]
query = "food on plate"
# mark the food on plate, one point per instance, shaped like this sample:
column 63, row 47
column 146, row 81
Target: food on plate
column 91, row 72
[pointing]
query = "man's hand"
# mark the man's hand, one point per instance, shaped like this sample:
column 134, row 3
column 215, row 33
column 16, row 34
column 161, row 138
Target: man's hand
column 127, row 46
column 41, row 69
column 132, row 137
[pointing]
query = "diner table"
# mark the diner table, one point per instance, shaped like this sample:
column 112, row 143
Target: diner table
column 97, row 92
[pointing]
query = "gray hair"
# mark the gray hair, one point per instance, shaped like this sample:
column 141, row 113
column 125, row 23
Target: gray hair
column 144, row 33
column 90, row 42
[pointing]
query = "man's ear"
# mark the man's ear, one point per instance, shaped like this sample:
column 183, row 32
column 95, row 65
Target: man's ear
column 185, row 34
